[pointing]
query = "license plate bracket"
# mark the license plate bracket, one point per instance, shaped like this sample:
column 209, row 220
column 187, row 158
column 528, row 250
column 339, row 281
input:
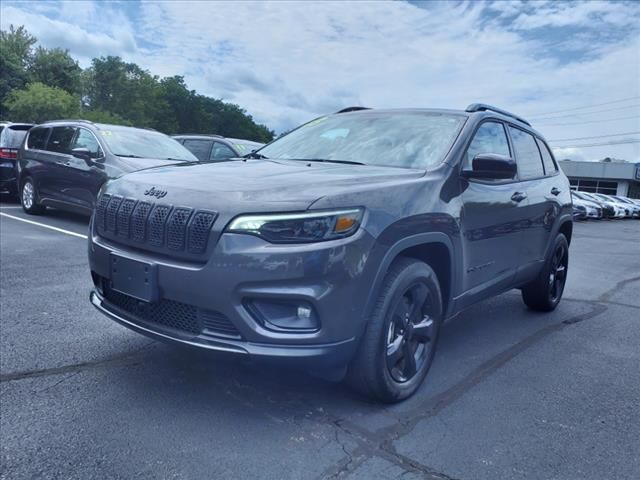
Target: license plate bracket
column 135, row 278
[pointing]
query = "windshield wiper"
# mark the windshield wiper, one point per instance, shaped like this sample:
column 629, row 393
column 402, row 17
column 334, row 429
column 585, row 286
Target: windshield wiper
column 127, row 155
column 347, row 162
column 179, row 159
column 255, row 155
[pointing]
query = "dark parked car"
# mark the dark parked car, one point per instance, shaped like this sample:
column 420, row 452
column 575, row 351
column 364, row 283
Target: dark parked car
column 11, row 136
column 214, row 148
column 347, row 241
column 64, row 164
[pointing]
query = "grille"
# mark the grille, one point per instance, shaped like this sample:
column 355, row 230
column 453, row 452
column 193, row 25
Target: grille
column 112, row 212
column 202, row 222
column 168, row 313
column 157, row 218
column 176, row 228
column 156, row 227
column 124, row 217
column 174, row 315
column 139, row 221
column 218, row 323
column 101, row 208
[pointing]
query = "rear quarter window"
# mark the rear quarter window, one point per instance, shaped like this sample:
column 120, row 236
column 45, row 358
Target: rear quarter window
column 38, row 138
column 12, row 136
column 550, row 166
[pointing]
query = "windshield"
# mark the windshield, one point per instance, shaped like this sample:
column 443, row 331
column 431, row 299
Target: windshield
column 245, row 147
column 407, row 139
column 136, row 142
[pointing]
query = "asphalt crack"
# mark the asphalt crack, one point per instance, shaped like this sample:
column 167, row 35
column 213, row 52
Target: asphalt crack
column 128, row 358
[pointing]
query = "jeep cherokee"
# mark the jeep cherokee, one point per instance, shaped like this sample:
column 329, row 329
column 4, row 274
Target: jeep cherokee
column 346, row 242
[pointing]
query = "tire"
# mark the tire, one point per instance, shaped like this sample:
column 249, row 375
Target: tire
column 545, row 292
column 382, row 368
column 29, row 198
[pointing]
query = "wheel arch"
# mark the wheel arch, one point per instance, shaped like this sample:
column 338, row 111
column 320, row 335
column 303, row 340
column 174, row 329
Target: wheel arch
column 435, row 249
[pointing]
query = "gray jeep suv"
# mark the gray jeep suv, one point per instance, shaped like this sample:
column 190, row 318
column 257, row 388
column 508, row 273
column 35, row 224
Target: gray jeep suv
column 346, row 242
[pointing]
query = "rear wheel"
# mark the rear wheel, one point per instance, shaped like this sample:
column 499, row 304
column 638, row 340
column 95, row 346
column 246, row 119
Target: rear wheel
column 544, row 293
column 29, row 198
column 398, row 346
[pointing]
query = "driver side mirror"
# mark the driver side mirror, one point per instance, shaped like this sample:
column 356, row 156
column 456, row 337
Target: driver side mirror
column 490, row 166
column 83, row 153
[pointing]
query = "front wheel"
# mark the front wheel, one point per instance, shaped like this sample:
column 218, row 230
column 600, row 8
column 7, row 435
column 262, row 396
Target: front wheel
column 544, row 293
column 29, row 198
column 397, row 348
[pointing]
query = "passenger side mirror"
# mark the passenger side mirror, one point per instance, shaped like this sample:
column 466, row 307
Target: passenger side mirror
column 491, row 166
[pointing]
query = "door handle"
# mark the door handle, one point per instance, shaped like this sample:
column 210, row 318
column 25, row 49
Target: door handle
column 518, row 196
column 555, row 191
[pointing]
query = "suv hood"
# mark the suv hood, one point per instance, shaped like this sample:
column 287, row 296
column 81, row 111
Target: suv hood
column 254, row 185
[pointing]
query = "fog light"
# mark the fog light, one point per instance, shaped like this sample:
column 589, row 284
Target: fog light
column 280, row 315
column 304, row 312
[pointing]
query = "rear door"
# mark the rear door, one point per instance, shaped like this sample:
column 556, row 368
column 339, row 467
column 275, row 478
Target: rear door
column 54, row 181
column 542, row 193
column 492, row 219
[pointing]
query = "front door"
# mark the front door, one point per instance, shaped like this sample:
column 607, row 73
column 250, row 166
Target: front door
column 492, row 220
column 85, row 175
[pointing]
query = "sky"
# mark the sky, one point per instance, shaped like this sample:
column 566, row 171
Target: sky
column 571, row 68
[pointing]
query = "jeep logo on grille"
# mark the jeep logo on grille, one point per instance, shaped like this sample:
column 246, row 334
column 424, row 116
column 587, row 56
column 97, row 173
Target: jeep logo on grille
column 156, row 193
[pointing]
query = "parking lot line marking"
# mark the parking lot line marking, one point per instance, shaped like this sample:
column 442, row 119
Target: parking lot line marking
column 9, row 206
column 44, row 225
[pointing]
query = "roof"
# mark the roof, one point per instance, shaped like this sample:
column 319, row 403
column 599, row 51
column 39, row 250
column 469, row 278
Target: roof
column 601, row 170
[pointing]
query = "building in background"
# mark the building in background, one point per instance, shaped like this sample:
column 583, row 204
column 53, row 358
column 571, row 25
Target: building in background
column 608, row 176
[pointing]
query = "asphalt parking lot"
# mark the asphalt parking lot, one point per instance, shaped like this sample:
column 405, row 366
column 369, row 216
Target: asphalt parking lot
column 512, row 394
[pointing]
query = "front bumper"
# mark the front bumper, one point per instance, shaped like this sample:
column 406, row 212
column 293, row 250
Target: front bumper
column 320, row 355
column 329, row 276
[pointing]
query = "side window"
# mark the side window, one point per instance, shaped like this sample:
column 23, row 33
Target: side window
column 550, row 166
column 60, row 139
column 221, row 152
column 490, row 138
column 85, row 139
column 200, row 148
column 527, row 154
column 38, row 138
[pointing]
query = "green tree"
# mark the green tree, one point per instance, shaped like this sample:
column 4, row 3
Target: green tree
column 100, row 116
column 38, row 103
column 131, row 92
column 56, row 68
column 15, row 56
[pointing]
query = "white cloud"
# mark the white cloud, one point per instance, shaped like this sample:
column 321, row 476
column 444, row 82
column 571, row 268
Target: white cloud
column 285, row 62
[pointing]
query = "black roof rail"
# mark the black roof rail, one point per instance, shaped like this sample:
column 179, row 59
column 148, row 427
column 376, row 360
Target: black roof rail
column 352, row 109
column 69, row 120
column 481, row 107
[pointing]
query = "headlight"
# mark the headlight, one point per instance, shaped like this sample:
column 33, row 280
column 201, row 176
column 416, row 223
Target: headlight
column 299, row 227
